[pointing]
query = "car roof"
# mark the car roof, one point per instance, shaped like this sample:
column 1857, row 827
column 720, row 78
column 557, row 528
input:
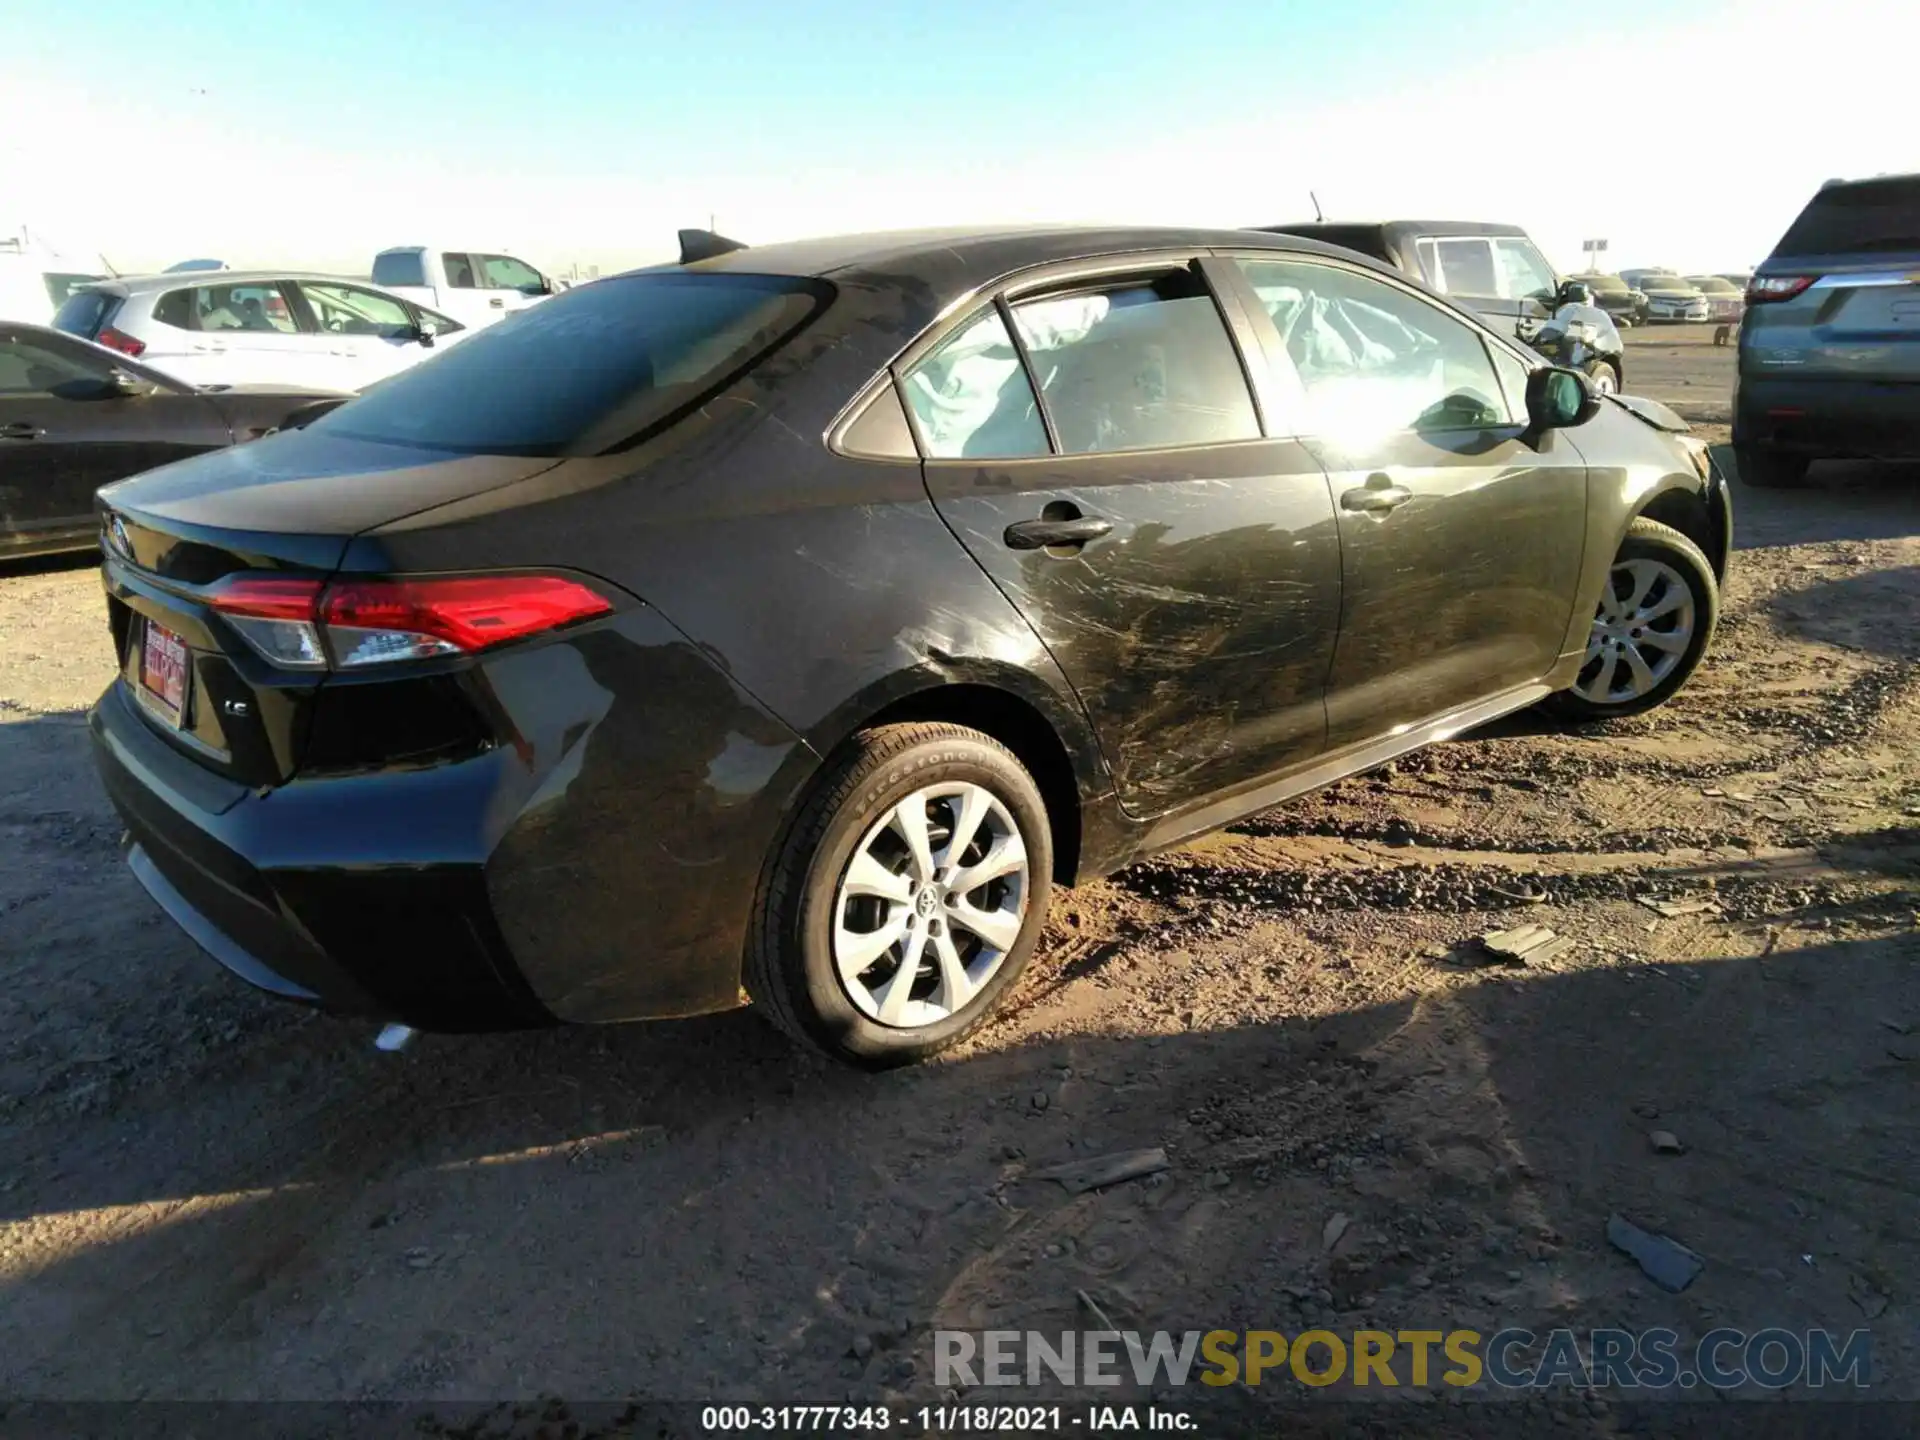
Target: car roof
column 1400, row 229
column 958, row 259
column 145, row 284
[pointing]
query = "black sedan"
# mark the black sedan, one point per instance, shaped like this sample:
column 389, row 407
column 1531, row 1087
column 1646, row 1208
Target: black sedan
column 784, row 624
column 75, row 415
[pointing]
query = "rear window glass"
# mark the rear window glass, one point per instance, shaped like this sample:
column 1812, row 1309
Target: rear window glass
column 83, row 313
column 60, row 287
column 590, row 368
column 403, row 267
column 1868, row 216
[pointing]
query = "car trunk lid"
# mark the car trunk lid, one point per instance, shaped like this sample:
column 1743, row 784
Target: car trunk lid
column 284, row 507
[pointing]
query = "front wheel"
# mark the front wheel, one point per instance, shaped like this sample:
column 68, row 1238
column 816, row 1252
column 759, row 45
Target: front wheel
column 1605, row 376
column 1654, row 621
column 907, row 898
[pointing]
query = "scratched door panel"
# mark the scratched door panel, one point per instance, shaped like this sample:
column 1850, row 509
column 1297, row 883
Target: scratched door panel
column 1199, row 629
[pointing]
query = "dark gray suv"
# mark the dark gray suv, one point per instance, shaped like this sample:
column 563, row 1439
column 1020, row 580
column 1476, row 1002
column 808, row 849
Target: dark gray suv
column 1830, row 346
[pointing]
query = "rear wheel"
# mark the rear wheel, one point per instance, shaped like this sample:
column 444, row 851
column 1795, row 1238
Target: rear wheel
column 907, row 898
column 1654, row 621
column 1769, row 469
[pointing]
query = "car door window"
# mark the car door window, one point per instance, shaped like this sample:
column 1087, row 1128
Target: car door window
column 459, row 270
column 257, row 308
column 349, row 310
column 1466, row 266
column 1374, row 359
column 971, row 398
column 1524, row 272
column 503, row 272
column 1138, row 366
column 27, row 368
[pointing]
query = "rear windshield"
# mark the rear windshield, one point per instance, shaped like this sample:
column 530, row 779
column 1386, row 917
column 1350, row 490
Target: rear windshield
column 83, row 312
column 400, row 267
column 1868, row 215
column 590, row 368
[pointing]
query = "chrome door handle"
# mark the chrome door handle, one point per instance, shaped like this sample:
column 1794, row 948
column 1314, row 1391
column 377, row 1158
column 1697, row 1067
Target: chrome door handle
column 1376, row 497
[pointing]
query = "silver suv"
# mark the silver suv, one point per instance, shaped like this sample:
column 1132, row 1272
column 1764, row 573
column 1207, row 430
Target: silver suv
column 1830, row 346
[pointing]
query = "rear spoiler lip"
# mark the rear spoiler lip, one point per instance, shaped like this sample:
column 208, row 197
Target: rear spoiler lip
column 698, row 245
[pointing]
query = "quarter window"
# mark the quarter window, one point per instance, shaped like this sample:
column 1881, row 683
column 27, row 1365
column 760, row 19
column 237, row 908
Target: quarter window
column 1373, row 358
column 971, row 398
column 1140, row 366
column 348, row 310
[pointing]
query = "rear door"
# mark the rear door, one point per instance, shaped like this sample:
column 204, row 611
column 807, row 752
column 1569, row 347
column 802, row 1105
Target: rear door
column 63, row 433
column 369, row 336
column 246, row 333
column 1178, row 558
column 1461, row 542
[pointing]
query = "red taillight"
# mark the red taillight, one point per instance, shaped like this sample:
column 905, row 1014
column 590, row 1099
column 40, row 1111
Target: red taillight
column 267, row 597
column 1765, row 289
column 119, row 340
column 375, row 620
column 372, row 622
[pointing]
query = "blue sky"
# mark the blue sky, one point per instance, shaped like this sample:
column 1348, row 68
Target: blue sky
column 590, row 130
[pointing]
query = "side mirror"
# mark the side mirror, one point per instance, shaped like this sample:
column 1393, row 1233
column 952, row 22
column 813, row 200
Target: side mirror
column 425, row 331
column 545, row 287
column 124, row 385
column 1559, row 399
column 1575, row 292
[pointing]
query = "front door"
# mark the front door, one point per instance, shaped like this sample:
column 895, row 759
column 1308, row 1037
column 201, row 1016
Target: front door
column 1461, row 539
column 370, row 335
column 1183, row 569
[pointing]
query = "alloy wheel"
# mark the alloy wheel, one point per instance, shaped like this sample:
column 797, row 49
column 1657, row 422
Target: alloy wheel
column 1641, row 632
column 930, row 904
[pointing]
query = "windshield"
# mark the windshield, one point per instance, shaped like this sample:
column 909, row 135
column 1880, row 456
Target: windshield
column 604, row 362
column 1712, row 285
column 1605, row 284
column 1665, row 282
column 1867, row 215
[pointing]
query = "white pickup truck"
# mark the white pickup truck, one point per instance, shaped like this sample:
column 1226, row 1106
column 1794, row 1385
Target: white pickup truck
column 475, row 287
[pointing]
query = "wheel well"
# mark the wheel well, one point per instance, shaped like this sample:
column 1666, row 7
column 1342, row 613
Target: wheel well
column 1024, row 731
column 1687, row 513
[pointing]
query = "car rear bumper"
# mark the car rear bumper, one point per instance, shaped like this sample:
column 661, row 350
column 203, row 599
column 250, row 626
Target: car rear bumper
column 601, row 864
column 1836, row 419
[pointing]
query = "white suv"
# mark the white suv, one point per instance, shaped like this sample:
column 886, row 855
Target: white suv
column 254, row 328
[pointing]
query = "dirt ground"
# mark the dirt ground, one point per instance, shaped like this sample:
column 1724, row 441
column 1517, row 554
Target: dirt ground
column 206, row 1194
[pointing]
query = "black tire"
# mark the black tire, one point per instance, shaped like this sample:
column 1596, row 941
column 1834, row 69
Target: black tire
column 1650, row 540
column 1770, row 469
column 1612, row 374
column 790, row 972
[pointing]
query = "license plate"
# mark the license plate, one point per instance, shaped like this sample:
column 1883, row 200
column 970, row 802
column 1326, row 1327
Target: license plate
column 163, row 673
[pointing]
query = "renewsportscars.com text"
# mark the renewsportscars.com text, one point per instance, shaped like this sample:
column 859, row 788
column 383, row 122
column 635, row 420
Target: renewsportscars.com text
column 1511, row 1359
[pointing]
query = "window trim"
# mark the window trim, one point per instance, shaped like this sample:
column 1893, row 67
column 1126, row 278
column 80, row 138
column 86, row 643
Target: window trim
column 1064, row 277
column 1275, row 349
